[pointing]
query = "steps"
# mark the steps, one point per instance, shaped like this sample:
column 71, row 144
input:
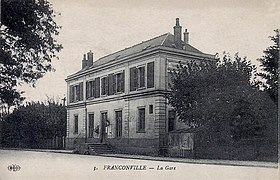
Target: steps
column 99, row 148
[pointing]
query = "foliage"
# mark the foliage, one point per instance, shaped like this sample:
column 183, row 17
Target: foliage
column 27, row 45
column 28, row 125
column 269, row 64
column 220, row 97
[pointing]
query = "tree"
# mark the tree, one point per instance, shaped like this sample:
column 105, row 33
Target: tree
column 28, row 45
column 269, row 64
column 222, row 97
column 30, row 125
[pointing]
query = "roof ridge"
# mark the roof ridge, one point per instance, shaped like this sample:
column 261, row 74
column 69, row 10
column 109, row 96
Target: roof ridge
column 165, row 34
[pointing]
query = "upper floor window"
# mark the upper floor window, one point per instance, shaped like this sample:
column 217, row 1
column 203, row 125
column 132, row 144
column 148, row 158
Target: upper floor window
column 120, row 82
column 133, row 79
column 110, row 85
column 90, row 89
column 138, row 77
column 76, row 92
column 93, row 88
column 141, row 77
column 104, row 85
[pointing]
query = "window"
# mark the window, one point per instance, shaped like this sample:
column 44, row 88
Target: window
column 90, row 125
column 76, row 92
column 151, row 109
column 133, row 79
column 104, row 86
column 141, row 72
column 118, row 123
column 76, row 124
column 120, row 82
column 111, row 84
column 150, row 75
column 138, row 77
column 141, row 120
column 90, row 89
column 171, row 120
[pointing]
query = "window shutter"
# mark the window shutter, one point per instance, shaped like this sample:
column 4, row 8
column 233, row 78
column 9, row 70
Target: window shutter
column 71, row 94
column 87, row 90
column 97, row 87
column 131, row 83
column 81, row 92
column 122, row 82
column 133, row 79
column 111, row 84
column 106, row 85
column 150, row 75
column 114, row 84
column 142, row 76
column 92, row 90
column 77, row 93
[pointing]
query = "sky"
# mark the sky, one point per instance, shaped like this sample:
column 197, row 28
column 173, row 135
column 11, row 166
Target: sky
column 107, row 26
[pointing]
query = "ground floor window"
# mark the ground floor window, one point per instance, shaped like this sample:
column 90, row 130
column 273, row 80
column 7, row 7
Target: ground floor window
column 76, row 124
column 171, row 120
column 141, row 120
column 90, row 125
column 118, row 123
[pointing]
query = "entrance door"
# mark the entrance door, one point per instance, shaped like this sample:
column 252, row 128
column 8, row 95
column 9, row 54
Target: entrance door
column 103, row 134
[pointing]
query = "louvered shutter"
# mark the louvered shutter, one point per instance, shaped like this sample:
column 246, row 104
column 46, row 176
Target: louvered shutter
column 92, row 90
column 97, row 87
column 87, row 89
column 81, row 92
column 122, row 82
column 106, row 85
column 133, row 79
column 71, row 94
column 111, row 84
column 150, row 75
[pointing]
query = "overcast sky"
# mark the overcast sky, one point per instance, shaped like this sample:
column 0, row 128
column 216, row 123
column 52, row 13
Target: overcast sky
column 111, row 25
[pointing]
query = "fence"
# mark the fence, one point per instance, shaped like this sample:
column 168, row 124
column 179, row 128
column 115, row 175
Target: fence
column 56, row 142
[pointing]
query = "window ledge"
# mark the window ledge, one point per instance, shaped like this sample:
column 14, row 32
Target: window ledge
column 140, row 131
column 141, row 88
column 117, row 93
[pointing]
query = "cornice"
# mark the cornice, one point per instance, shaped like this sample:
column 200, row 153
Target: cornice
column 137, row 95
column 146, row 53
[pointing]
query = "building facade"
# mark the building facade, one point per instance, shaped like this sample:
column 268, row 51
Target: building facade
column 120, row 99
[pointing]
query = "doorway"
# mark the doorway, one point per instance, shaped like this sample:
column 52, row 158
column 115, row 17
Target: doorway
column 103, row 133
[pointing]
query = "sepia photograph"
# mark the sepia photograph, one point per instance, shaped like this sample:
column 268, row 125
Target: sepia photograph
column 130, row 89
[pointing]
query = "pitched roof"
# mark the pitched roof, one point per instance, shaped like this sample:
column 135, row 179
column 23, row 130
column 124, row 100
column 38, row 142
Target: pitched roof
column 166, row 40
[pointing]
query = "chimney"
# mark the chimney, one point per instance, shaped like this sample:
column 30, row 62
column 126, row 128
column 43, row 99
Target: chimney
column 186, row 36
column 178, row 34
column 90, row 58
column 84, row 62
